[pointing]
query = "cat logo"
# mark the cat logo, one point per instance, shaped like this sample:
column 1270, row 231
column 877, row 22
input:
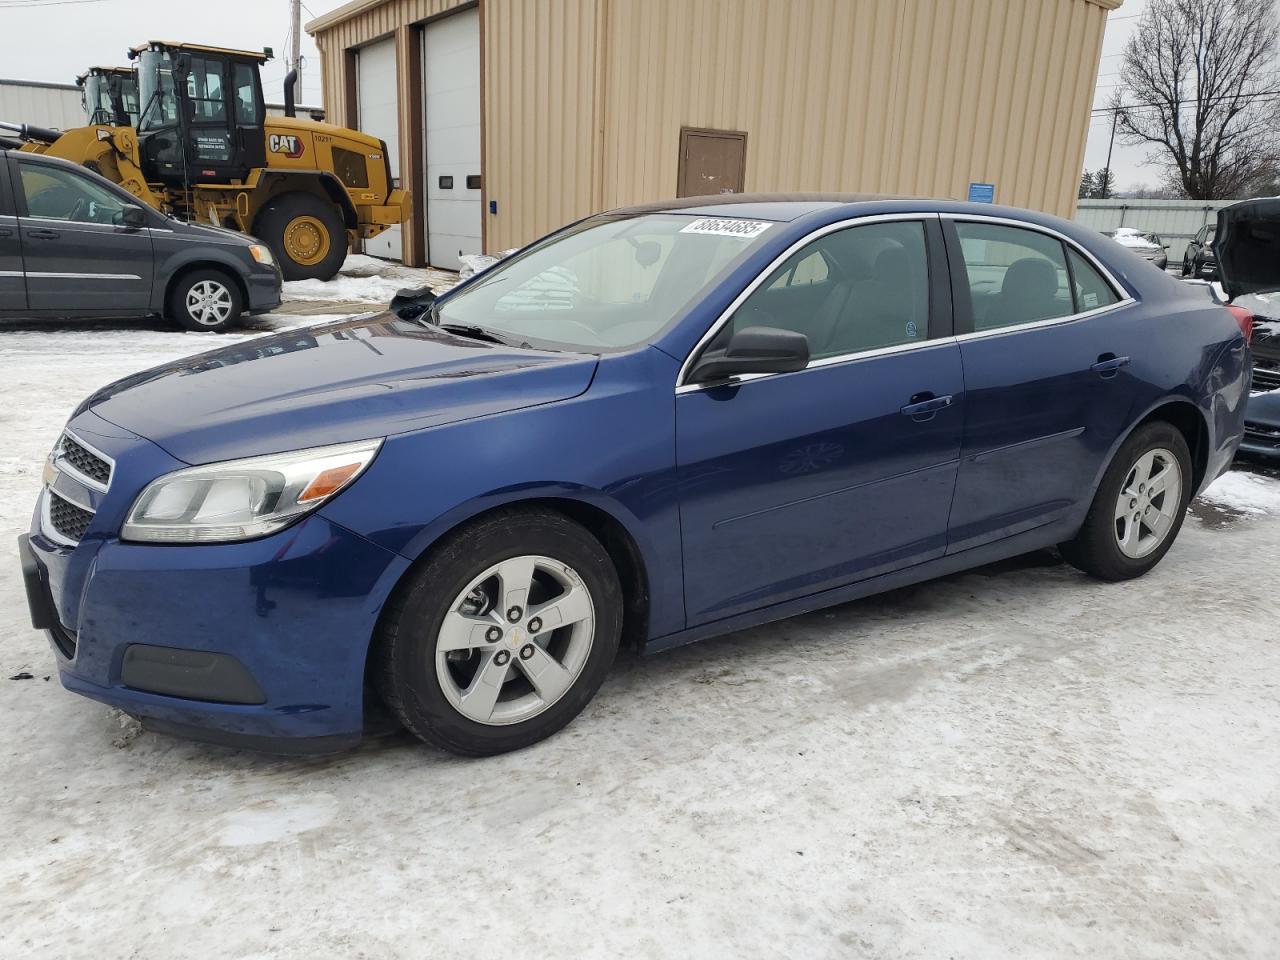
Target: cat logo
column 287, row 144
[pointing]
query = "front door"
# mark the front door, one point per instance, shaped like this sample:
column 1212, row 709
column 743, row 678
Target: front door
column 795, row 483
column 79, row 257
column 1045, row 345
column 711, row 161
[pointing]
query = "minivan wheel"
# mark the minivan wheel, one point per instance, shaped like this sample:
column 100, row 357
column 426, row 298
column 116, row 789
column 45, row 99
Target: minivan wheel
column 206, row 301
column 1139, row 507
column 502, row 636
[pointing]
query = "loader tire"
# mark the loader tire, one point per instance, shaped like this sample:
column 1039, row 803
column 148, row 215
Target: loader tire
column 306, row 234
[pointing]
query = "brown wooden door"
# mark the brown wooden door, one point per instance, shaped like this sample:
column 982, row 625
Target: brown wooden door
column 711, row 161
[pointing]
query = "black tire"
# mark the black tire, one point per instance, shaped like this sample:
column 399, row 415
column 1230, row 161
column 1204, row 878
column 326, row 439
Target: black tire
column 194, row 286
column 1095, row 549
column 277, row 217
column 404, row 648
column 1186, row 269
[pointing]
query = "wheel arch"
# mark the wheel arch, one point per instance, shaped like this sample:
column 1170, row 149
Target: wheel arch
column 316, row 183
column 189, row 267
column 1188, row 419
column 616, row 529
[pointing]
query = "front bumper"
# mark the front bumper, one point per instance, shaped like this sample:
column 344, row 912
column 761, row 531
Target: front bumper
column 263, row 287
column 258, row 644
column 1260, row 441
column 375, row 219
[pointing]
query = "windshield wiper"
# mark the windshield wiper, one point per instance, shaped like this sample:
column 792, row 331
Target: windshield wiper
column 474, row 332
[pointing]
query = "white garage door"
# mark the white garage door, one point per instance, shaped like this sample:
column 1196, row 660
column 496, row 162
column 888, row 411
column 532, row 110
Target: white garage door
column 378, row 117
column 451, row 98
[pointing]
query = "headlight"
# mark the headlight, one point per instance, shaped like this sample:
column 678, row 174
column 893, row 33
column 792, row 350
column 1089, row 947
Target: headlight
column 242, row 499
column 261, row 253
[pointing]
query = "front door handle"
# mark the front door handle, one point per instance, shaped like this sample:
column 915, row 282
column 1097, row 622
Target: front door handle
column 43, row 234
column 925, row 406
column 1109, row 365
column 5, row 232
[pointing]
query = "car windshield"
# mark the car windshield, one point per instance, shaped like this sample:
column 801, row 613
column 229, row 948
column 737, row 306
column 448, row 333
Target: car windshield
column 606, row 283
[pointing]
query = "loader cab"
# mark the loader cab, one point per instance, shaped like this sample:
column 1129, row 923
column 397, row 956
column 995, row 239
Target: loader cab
column 109, row 96
column 201, row 115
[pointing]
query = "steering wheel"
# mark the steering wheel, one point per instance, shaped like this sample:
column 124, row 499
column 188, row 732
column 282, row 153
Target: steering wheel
column 78, row 209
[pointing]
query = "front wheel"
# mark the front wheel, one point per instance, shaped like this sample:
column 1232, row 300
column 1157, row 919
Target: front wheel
column 1139, row 507
column 206, row 301
column 502, row 636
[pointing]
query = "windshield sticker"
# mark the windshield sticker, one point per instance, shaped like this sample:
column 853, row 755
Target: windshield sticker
column 724, row 227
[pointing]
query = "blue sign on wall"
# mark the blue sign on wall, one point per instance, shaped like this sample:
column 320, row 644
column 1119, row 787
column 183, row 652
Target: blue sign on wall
column 982, row 193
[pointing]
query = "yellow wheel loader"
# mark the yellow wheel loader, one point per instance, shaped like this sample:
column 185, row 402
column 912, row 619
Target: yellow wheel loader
column 109, row 96
column 203, row 148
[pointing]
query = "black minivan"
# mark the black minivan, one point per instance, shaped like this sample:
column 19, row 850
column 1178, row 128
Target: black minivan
column 73, row 244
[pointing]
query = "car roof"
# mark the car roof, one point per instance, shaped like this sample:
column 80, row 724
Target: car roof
column 781, row 207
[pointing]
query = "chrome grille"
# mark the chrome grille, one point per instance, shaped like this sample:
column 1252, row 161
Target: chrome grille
column 1265, row 380
column 85, row 461
column 67, row 519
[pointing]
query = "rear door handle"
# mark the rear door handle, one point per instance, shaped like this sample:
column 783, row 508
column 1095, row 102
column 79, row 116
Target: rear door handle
column 43, row 234
column 924, row 406
column 1109, row 365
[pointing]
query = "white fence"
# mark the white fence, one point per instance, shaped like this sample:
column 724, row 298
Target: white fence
column 1175, row 221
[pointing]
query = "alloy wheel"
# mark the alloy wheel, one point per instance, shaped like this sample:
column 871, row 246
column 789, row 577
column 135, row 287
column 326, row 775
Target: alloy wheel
column 1148, row 502
column 209, row 303
column 515, row 640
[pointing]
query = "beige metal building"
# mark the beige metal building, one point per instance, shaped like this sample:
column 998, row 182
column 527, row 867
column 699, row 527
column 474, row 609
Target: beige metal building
column 508, row 118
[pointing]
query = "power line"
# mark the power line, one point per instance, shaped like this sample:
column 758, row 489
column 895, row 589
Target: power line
column 17, row 4
column 1264, row 95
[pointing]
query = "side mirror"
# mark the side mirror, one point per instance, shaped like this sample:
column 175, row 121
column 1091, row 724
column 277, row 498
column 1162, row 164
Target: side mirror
column 754, row 350
column 132, row 215
column 411, row 303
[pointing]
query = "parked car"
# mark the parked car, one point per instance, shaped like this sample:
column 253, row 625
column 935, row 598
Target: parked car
column 73, row 244
column 654, row 425
column 1249, row 257
column 1148, row 246
column 1198, row 260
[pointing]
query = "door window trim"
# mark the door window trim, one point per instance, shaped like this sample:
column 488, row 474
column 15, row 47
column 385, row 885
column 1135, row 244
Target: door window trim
column 959, row 275
column 922, row 217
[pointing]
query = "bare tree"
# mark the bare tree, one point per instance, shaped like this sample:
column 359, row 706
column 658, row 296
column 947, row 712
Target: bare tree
column 1202, row 86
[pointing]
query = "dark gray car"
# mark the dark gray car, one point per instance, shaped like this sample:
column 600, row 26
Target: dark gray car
column 72, row 245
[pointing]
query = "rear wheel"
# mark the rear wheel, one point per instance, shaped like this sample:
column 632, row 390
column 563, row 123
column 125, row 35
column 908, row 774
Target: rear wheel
column 305, row 233
column 502, row 636
column 206, row 301
column 1139, row 507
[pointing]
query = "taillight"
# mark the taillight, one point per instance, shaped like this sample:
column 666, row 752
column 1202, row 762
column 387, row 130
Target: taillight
column 1245, row 319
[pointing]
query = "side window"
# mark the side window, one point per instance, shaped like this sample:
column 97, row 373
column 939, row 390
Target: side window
column 873, row 292
column 1015, row 276
column 1091, row 291
column 65, row 195
column 810, row 270
column 246, row 99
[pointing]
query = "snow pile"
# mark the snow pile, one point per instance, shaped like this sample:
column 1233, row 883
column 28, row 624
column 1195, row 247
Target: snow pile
column 1129, row 237
column 368, row 280
column 1246, row 492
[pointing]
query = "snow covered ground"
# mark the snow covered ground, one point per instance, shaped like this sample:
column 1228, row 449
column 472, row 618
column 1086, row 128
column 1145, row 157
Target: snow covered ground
column 1012, row 763
column 368, row 280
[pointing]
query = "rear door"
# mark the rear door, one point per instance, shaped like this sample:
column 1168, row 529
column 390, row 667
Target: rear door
column 1047, row 351
column 79, row 257
column 796, row 483
column 13, row 283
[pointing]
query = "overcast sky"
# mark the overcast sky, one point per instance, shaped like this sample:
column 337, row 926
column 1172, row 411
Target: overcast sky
column 56, row 39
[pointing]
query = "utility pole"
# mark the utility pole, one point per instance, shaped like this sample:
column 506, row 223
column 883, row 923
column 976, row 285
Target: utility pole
column 1106, row 174
column 295, row 47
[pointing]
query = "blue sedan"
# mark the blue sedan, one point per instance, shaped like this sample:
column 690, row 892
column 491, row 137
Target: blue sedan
column 654, row 425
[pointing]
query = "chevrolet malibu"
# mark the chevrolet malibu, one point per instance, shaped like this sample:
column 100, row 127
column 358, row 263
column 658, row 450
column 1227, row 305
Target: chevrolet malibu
column 654, row 425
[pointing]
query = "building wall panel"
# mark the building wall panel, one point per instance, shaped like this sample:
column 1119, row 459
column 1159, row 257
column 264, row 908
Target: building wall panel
column 584, row 99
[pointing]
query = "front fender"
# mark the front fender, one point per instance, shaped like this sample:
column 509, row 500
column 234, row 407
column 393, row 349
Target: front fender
column 611, row 448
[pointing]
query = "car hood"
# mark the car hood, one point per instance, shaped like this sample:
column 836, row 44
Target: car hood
column 350, row 380
column 1247, row 245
